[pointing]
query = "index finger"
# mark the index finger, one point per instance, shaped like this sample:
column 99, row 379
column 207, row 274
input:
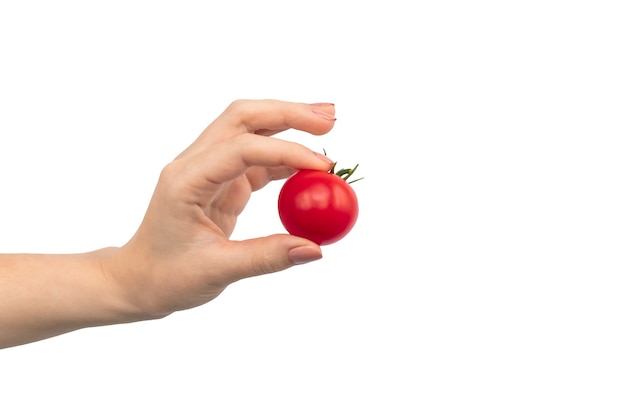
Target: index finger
column 265, row 117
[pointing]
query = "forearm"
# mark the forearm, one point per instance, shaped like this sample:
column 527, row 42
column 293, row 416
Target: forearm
column 47, row 295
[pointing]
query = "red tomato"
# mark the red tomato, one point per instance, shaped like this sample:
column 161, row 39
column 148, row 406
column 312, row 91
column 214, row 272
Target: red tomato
column 318, row 205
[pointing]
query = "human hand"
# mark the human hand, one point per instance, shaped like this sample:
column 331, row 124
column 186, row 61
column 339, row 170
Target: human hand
column 181, row 256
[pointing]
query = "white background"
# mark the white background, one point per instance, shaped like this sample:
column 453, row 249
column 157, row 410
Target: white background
column 485, row 275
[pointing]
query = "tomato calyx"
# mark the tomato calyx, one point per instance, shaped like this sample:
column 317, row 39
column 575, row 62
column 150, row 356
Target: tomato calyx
column 344, row 173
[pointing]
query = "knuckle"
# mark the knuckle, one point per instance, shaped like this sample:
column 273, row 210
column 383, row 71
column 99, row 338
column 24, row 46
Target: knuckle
column 263, row 263
column 239, row 106
column 170, row 175
column 169, row 170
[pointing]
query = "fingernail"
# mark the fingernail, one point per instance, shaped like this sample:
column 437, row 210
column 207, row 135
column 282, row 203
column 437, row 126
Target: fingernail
column 324, row 115
column 304, row 254
column 323, row 104
column 323, row 158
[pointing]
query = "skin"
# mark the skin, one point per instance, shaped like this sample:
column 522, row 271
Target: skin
column 180, row 256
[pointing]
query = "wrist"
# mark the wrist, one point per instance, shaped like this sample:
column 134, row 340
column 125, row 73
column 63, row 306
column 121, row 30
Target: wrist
column 128, row 275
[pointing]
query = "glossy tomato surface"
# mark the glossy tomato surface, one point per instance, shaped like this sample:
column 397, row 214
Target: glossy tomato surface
column 318, row 205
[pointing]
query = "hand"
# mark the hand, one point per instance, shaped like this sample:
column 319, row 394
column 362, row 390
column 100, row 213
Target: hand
column 181, row 255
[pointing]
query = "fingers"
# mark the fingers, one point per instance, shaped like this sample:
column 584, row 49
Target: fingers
column 225, row 161
column 272, row 116
column 266, row 255
column 265, row 117
column 259, row 177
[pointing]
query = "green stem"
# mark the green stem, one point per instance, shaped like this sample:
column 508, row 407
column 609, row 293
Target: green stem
column 344, row 173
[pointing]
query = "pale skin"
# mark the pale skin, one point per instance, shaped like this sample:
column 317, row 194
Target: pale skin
column 180, row 256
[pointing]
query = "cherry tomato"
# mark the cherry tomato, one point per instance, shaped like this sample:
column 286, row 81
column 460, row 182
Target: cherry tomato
column 318, row 205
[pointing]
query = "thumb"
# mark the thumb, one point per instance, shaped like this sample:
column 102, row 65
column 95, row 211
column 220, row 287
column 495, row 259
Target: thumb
column 266, row 255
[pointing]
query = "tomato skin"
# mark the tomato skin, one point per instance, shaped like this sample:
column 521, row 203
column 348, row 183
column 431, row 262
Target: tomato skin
column 318, row 205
